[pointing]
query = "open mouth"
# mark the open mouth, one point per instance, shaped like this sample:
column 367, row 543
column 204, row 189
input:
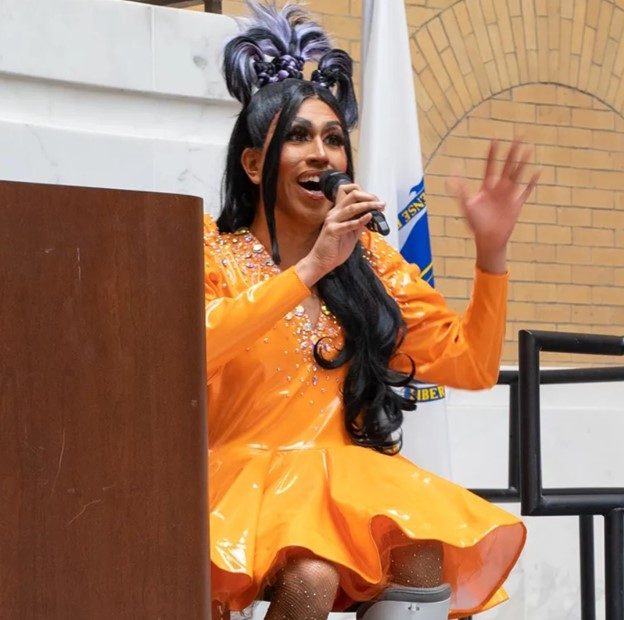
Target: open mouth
column 311, row 185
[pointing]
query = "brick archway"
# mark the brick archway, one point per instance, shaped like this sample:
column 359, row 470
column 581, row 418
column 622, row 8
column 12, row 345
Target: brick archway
column 553, row 72
column 474, row 49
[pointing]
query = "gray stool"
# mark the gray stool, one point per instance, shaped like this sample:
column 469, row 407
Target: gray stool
column 400, row 603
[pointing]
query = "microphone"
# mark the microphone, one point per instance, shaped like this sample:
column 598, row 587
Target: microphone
column 331, row 180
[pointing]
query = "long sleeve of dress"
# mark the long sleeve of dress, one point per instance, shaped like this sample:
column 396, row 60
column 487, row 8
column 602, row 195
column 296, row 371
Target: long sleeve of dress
column 236, row 319
column 456, row 350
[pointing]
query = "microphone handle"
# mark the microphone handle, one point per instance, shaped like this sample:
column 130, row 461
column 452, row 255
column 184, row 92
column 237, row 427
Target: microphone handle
column 331, row 180
column 378, row 224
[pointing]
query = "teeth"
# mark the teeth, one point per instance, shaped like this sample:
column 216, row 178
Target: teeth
column 315, row 178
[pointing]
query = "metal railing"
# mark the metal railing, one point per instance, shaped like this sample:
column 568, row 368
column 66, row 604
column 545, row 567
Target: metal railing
column 584, row 502
column 525, row 460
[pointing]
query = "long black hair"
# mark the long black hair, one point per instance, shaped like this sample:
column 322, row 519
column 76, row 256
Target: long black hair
column 371, row 320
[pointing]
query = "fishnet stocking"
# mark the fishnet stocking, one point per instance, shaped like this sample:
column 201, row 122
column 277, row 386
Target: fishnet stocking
column 304, row 589
column 418, row 565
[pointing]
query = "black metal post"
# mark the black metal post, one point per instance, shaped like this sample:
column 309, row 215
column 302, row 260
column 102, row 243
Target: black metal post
column 512, row 493
column 586, row 552
column 529, row 386
column 513, row 462
column 614, row 564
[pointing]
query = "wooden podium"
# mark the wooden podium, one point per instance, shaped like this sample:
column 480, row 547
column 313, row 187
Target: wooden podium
column 103, row 491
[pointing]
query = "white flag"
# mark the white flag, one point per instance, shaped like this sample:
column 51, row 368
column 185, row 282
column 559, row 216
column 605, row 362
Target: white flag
column 390, row 166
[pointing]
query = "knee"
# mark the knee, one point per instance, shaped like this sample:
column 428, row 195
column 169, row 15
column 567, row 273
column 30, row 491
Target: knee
column 310, row 575
column 418, row 565
column 307, row 587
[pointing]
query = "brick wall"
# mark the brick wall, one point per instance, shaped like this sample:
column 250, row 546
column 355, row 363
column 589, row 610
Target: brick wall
column 551, row 71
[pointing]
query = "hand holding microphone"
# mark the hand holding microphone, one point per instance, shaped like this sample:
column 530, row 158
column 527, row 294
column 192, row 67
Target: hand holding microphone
column 331, row 180
column 344, row 223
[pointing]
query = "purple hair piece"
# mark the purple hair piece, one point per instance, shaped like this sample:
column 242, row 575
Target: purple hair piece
column 289, row 31
column 274, row 46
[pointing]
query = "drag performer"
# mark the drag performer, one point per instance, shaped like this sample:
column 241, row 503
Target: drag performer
column 314, row 324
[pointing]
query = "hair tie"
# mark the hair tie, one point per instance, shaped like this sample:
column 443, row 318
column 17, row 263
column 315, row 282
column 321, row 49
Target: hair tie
column 278, row 69
column 325, row 77
column 265, row 72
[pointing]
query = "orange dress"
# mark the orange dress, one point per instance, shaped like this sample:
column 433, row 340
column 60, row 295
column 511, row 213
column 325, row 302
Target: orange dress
column 284, row 476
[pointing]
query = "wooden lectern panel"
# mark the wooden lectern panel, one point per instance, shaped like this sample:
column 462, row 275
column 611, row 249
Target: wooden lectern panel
column 103, row 509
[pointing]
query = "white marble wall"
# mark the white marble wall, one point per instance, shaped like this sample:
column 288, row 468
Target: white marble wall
column 112, row 93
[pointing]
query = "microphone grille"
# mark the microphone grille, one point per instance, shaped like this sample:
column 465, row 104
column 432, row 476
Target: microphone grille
column 329, row 182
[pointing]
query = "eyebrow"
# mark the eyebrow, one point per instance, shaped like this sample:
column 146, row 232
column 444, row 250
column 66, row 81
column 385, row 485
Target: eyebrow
column 308, row 125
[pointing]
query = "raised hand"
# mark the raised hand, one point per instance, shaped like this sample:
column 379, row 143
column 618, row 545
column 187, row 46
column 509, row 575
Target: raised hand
column 493, row 211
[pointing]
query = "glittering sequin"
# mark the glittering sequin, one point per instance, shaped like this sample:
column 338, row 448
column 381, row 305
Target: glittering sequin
column 256, row 265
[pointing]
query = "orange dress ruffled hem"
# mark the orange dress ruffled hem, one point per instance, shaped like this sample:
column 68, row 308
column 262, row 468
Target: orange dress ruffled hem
column 285, row 479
